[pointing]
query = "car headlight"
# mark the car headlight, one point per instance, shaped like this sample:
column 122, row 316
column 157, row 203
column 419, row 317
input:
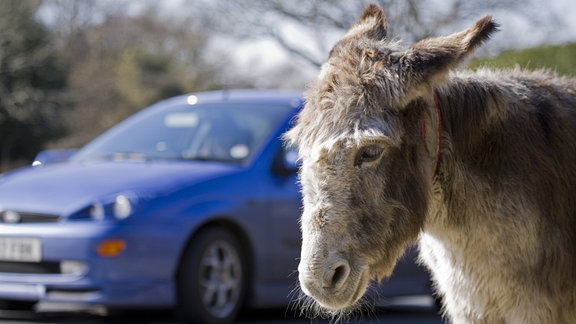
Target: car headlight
column 122, row 207
column 97, row 212
column 118, row 207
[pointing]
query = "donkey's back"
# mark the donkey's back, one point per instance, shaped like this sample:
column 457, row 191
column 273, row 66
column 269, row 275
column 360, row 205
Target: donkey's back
column 503, row 225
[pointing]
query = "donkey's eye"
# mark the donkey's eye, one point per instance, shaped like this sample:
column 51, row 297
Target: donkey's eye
column 368, row 154
column 395, row 58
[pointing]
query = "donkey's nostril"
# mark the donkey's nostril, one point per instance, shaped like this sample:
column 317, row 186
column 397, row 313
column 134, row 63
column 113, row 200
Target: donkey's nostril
column 336, row 277
column 340, row 274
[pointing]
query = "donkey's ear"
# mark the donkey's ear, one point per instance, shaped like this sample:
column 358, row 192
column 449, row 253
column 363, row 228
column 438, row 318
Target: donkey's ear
column 434, row 57
column 371, row 24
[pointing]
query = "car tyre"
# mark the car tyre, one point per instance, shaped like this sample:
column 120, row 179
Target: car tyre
column 212, row 278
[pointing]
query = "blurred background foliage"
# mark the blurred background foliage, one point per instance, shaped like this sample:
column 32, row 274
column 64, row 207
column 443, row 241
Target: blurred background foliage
column 64, row 82
column 559, row 58
column 70, row 69
column 32, row 79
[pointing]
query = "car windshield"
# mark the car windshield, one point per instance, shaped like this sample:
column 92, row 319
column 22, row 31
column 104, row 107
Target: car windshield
column 212, row 132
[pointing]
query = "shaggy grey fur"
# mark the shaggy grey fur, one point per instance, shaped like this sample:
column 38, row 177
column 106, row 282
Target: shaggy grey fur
column 494, row 215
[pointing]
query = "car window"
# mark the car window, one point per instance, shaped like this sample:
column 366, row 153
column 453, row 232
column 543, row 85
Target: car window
column 225, row 132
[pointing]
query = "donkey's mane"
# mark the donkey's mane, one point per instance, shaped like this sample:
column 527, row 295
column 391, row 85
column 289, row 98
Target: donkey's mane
column 477, row 104
column 513, row 128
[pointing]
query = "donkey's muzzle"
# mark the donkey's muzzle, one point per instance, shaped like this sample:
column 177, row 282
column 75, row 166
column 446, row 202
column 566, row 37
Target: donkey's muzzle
column 325, row 281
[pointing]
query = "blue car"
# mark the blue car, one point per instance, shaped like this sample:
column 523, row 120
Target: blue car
column 190, row 204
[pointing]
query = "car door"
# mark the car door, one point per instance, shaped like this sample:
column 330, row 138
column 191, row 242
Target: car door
column 285, row 208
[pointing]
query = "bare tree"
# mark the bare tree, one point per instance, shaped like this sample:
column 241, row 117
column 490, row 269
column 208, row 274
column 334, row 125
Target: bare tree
column 308, row 28
column 123, row 59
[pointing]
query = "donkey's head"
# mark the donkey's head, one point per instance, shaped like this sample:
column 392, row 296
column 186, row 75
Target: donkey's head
column 366, row 169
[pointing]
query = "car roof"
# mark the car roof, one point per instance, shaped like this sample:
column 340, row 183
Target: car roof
column 292, row 97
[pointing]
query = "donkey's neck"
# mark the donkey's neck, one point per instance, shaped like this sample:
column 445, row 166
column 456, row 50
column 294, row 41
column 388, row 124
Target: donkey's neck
column 473, row 109
column 507, row 132
column 477, row 117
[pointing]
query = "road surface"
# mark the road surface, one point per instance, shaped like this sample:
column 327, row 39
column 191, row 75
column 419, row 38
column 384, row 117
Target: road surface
column 397, row 312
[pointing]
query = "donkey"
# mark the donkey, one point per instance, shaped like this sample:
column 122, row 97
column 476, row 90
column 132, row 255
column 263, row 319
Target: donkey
column 476, row 168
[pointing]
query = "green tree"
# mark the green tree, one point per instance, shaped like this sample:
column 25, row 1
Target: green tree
column 31, row 77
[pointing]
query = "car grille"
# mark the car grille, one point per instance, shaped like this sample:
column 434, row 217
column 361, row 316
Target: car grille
column 12, row 217
column 30, row 268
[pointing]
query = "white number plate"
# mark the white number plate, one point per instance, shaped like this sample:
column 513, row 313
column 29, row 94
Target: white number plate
column 23, row 249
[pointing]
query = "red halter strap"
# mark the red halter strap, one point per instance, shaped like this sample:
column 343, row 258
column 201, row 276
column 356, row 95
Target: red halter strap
column 438, row 129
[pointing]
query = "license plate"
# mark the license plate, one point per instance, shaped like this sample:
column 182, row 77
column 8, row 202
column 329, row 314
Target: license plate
column 23, row 249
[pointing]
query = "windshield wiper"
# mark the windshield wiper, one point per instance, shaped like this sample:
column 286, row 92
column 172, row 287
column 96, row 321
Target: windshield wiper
column 120, row 156
column 210, row 159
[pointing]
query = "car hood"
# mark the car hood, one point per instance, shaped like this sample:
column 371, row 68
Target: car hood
column 65, row 188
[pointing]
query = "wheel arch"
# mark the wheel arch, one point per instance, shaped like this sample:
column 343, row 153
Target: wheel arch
column 246, row 245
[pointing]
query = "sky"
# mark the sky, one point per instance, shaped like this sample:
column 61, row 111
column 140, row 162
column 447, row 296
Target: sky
column 515, row 32
column 262, row 56
column 521, row 33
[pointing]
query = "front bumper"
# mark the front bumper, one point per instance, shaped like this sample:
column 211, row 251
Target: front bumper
column 121, row 293
column 141, row 275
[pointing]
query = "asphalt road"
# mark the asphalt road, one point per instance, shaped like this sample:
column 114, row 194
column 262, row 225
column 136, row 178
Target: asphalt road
column 397, row 312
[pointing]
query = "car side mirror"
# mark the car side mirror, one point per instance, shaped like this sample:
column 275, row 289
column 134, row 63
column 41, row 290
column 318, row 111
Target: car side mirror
column 291, row 161
column 287, row 161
